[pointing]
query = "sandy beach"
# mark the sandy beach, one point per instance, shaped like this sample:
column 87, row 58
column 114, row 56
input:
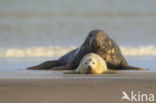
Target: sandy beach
column 35, row 31
column 74, row 88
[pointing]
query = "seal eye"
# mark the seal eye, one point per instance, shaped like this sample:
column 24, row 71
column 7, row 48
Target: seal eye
column 93, row 62
column 85, row 62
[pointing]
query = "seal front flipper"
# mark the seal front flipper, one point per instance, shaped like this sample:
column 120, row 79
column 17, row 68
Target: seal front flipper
column 45, row 66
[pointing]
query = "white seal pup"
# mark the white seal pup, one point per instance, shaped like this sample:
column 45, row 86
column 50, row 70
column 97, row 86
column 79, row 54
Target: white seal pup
column 92, row 64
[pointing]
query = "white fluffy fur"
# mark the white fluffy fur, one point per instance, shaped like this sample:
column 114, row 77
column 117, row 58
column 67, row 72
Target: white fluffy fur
column 98, row 65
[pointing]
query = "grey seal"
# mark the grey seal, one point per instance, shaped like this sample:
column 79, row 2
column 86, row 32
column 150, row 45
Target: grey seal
column 97, row 42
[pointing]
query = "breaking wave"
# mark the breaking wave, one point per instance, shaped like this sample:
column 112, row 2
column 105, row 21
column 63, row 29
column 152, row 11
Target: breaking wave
column 51, row 51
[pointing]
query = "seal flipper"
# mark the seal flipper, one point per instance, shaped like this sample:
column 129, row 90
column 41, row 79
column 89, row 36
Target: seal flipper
column 66, row 67
column 130, row 68
column 46, row 65
column 124, row 66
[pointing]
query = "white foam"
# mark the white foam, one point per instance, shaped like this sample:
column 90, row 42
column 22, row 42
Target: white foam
column 34, row 52
column 139, row 51
column 51, row 51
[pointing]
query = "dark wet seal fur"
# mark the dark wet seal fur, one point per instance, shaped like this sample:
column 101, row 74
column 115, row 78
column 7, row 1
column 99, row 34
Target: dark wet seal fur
column 97, row 42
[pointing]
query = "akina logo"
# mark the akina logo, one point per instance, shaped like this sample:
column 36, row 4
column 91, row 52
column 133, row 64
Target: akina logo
column 137, row 96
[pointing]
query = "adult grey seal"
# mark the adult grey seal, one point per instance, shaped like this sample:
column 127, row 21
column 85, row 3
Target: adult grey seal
column 97, row 42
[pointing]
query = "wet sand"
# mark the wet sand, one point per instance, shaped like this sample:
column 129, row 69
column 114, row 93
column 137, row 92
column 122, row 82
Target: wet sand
column 74, row 88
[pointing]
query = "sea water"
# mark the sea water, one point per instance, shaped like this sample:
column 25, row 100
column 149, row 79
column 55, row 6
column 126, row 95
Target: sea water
column 33, row 31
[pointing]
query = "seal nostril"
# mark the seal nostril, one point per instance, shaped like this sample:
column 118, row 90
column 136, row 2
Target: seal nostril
column 89, row 67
